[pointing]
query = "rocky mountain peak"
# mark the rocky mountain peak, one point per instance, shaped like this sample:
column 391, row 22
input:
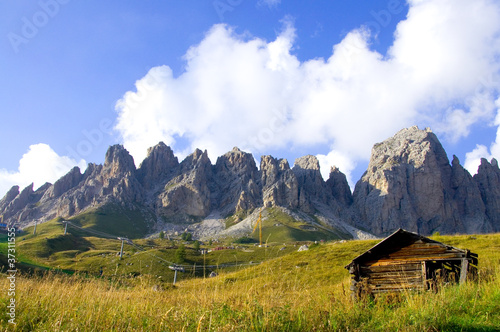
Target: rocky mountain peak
column 494, row 163
column 308, row 162
column 197, row 159
column 312, row 188
column 19, row 202
column 9, row 197
column 118, row 160
column 237, row 159
column 187, row 195
column 269, row 170
column 65, row 183
column 339, row 187
column 410, row 146
column 237, row 175
column 279, row 183
column 410, row 184
column 237, row 164
column 159, row 166
column 485, row 164
column 284, row 165
column 488, row 181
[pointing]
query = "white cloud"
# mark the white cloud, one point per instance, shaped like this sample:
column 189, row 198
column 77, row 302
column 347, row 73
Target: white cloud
column 473, row 158
column 38, row 165
column 248, row 92
column 341, row 161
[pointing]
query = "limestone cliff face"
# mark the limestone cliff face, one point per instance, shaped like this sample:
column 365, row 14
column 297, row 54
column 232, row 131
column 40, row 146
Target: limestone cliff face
column 488, row 181
column 187, row 197
column 9, row 197
column 405, row 184
column 470, row 207
column 312, row 188
column 114, row 181
column 410, row 184
column 68, row 181
column 339, row 187
column 236, row 177
column 159, row 166
column 118, row 176
column 279, row 183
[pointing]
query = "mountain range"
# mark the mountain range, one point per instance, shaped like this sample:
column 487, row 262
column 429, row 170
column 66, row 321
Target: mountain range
column 410, row 183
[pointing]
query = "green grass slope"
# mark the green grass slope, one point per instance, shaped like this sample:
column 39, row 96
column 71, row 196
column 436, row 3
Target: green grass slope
column 289, row 291
column 280, row 227
column 115, row 220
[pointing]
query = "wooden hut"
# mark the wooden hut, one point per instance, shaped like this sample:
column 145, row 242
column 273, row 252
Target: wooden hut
column 409, row 261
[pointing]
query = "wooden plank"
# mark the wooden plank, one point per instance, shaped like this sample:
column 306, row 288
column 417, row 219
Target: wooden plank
column 423, row 252
column 404, row 260
column 463, row 270
column 401, row 279
column 395, row 266
column 383, row 290
column 424, row 274
column 391, row 272
column 397, row 286
column 381, row 275
column 388, row 284
column 422, row 255
column 391, row 268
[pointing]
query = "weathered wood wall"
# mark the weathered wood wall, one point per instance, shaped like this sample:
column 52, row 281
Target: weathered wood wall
column 402, row 269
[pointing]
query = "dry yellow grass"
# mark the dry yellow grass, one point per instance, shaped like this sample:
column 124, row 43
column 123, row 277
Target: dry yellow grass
column 298, row 292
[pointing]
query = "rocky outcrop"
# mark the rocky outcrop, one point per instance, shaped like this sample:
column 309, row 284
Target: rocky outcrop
column 339, row 187
column 467, row 197
column 410, row 184
column 488, row 181
column 312, row 188
column 118, row 162
column 159, row 167
column 68, row 181
column 236, row 177
column 115, row 181
column 279, row 183
column 9, row 197
column 20, row 202
column 21, row 206
column 186, row 198
column 117, row 178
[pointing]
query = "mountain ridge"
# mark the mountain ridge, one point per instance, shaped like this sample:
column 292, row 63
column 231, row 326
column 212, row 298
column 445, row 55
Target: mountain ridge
column 409, row 183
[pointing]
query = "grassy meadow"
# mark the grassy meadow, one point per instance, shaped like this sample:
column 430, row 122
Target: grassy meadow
column 288, row 291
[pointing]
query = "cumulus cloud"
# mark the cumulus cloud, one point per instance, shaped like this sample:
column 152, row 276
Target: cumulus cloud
column 338, row 159
column 256, row 94
column 473, row 158
column 38, row 165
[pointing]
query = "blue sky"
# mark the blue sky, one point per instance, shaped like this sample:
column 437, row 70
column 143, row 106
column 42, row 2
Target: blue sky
column 285, row 78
